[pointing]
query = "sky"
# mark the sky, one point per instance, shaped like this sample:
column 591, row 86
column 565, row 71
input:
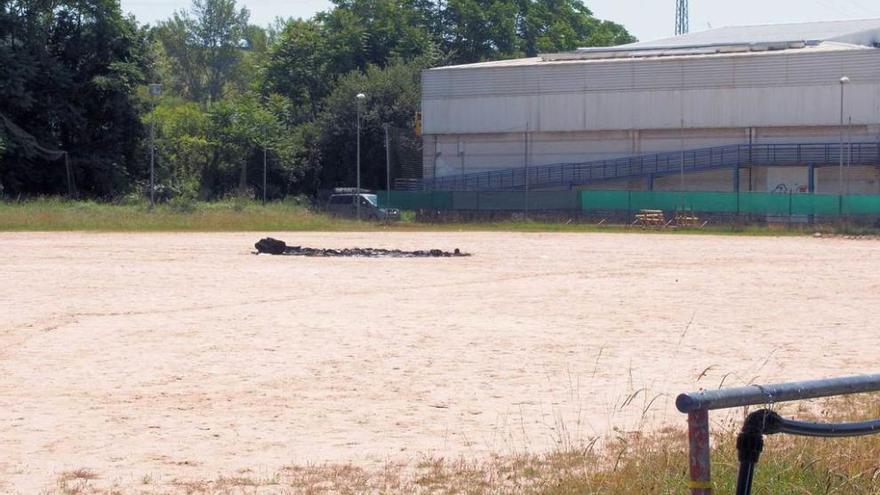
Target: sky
column 646, row 19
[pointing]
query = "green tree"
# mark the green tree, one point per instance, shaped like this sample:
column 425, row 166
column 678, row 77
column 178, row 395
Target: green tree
column 204, row 47
column 211, row 153
column 69, row 71
column 363, row 32
column 478, row 30
column 379, row 47
column 298, row 68
column 263, row 127
column 560, row 25
column 182, row 146
column 392, row 97
column 219, row 29
column 311, row 55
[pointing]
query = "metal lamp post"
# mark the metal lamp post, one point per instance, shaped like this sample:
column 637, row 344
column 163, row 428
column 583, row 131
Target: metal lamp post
column 387, row 128
column 843, row 82
column 681, row 140
column 848, row 152
column 265, row 167
column 155, row 92
column 360, row 98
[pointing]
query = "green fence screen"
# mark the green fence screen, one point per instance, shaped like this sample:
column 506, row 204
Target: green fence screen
column 605, row 200
column 416, row 200
column 860, row 205
column 747, row 203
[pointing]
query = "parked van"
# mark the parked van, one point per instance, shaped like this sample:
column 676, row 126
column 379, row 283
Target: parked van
column 344, row 205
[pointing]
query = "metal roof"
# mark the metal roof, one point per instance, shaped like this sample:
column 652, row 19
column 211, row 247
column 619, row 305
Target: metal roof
column 860, row 32
column 574, row 58
column 726, row 41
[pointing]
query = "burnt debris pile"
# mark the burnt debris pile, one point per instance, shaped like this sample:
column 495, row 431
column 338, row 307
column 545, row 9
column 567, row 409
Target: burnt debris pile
column 277, row 247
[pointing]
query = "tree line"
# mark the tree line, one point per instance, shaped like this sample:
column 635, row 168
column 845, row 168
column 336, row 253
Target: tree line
column 74, row 77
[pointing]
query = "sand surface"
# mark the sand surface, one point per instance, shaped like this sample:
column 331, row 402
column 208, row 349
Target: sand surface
column 184, row 356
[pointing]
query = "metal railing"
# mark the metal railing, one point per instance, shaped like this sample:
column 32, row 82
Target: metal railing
column 658, row 165
column 698, row 404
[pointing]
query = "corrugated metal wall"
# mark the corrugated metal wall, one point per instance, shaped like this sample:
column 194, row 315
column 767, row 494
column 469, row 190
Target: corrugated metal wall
column 768, row 89
column 789, row 68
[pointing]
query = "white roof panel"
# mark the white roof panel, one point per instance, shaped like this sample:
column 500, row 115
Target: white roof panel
column 811, row 32
column 726, row 41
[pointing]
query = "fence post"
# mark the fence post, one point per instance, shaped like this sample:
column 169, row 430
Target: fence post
column 629, row 206
column 699, row 461
column 71, row 188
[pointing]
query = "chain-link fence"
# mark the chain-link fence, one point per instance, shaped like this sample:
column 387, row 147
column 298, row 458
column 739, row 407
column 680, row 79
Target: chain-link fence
column 744, row 203
column 405, row 155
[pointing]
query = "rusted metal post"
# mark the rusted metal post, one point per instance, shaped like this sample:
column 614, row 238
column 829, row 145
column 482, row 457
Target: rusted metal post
column 698, row 404
column 698, row 436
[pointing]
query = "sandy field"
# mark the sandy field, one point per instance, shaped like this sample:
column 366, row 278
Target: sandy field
column 184, row 356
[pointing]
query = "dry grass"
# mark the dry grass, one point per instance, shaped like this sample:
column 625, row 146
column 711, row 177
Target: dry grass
column 629, row 463
column 77, row 481
column 59, row 215
column 53, row 214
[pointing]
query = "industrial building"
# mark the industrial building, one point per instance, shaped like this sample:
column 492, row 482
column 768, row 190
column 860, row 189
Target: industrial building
column 755, row 108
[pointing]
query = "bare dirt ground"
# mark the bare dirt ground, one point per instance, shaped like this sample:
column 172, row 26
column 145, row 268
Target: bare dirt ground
column 169, row 357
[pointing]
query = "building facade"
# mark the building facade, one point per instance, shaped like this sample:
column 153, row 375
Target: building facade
column 761, row 85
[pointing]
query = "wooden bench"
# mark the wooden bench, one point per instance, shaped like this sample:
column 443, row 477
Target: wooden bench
column 650, row 218
column 688, row 219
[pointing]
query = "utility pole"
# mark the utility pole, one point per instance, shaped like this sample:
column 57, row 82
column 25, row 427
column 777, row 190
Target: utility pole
column 682, row 20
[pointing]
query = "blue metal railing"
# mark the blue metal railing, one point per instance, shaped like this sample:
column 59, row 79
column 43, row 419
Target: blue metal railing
column 658, row 165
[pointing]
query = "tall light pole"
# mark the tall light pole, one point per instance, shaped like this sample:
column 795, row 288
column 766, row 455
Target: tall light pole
column 359, row 99
column 681, row 132
column 387, row 127
column 265, row 165
column 848, row 151
column 155, row 92
column 843, row 82
column 681, row 157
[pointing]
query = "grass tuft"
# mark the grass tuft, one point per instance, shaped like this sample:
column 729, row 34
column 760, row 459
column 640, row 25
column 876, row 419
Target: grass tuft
column 631, row 462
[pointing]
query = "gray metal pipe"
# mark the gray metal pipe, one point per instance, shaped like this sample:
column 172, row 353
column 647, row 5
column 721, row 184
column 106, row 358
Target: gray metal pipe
column 782, row 392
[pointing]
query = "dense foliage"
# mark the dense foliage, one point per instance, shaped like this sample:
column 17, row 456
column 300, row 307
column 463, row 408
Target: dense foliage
column 69, row 70
column 73, row 76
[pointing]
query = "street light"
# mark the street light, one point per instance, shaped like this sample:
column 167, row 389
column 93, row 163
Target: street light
column 843, row 82
column 155, row 92
column 387, row 128
column 265, row 160
column 359, row 99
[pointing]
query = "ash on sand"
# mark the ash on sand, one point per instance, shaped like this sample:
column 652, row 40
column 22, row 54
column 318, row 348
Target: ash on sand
column 277, row 247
